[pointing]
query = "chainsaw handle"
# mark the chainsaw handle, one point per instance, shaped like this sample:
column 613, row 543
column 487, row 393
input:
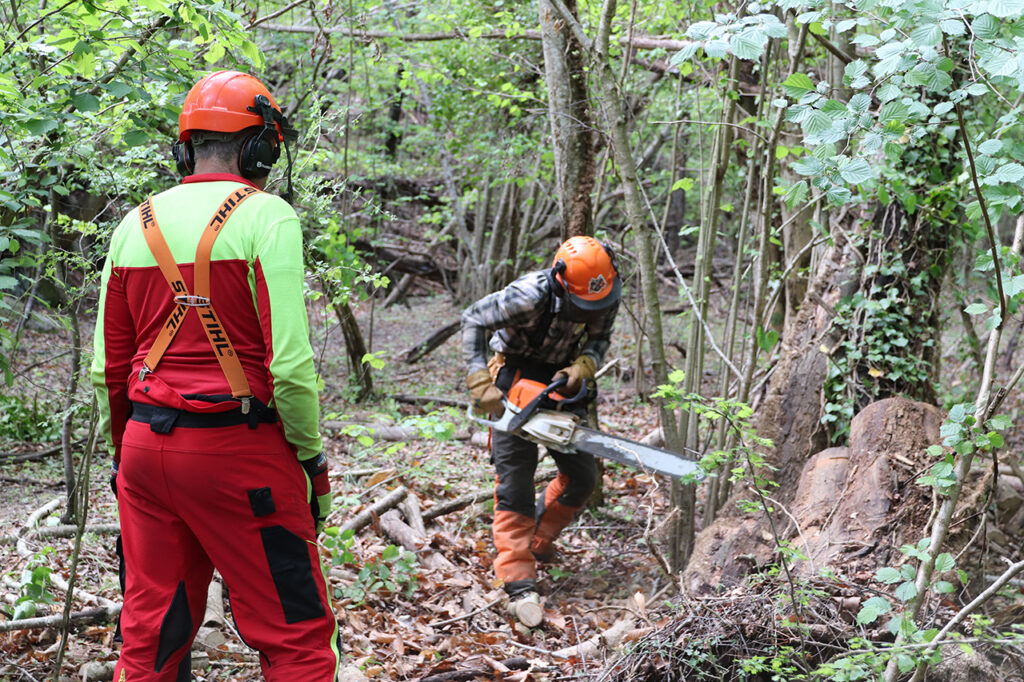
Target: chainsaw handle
column 578, row 398
column 531, row 407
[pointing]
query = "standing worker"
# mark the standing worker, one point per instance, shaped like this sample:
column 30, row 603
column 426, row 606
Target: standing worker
column 546, row 323
column 208, row 401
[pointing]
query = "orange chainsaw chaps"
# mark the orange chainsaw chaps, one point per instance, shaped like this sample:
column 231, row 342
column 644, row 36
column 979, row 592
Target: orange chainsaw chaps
column 552, row 520
column 512, row 534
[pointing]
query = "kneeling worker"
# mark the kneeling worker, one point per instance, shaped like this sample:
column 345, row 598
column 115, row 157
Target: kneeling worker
column 547, row 323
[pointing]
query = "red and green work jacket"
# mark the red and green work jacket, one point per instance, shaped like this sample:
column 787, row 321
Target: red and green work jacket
column 256, row 288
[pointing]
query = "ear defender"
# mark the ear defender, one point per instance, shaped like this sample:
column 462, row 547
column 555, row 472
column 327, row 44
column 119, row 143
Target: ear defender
column 611, row 255
column 184, row 158
column 555, row 278
column 259, row 153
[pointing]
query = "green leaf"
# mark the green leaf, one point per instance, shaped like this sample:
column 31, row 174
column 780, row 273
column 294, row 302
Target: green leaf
column 749, row 44
column 766, row 340
column 871, row 609
column 1000, row 422
column 944, row 562
column 1008, row 172
column 808, row 165
column 989, row 147
column 906, row 591
column 888, row 575
column 952, row 27
column 1015, row 285
column 817, row 122
column 927, row 35
column 859, row 102
column 976, row 309
column 905, row 663
column 888, row 91
column 985, row 27
column 685, row 184
column 798, row 85
column 857, row 171
column 85, row 101
column 943, row 587
column 40, row 126
column 134, row 138
column 893, row 111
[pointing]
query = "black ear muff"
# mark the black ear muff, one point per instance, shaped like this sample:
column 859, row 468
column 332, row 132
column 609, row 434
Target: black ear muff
column 611, row 255
column 557, row 287
column 259, row 152
column 258, row 155
column 184, row 157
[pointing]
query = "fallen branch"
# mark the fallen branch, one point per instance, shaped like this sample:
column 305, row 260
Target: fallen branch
column 365, row 517
column 464, row 616
column 456, row 504
column 462, row 501
column 609, row 639
column 424, row 348
column 426, row 399
column 96, row 615
column 469, row 674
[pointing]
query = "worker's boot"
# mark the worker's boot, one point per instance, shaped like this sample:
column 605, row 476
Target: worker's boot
column 526, row 608
column 515, row 565
column 552, row 518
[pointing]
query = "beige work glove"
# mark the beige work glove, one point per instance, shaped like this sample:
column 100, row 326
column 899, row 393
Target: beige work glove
column 582, row 368
column 486, row 396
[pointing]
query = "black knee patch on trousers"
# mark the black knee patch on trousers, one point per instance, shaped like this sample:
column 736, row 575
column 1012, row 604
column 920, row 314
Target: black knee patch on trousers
column 176, row 628
column 292, row 571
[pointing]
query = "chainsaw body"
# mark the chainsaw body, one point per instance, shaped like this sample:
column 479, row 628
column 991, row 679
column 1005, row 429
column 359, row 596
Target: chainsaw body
column 536, row 412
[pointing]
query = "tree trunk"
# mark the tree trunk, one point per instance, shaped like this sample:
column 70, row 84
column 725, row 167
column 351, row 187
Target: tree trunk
column 571, row 136
column 355, row 347
column 830, row 358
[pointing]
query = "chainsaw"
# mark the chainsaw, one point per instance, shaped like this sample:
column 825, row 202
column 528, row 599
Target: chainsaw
column 537, row 413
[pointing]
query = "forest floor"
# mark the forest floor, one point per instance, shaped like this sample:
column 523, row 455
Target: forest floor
column 398, row 621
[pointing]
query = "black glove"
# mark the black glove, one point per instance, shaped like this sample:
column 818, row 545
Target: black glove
column 320, row 489
column 113, row 479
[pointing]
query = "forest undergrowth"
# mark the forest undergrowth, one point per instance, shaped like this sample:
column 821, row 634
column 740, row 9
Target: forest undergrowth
column 429, row 609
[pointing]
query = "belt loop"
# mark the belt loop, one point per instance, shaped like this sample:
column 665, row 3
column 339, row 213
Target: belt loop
column 163, row 420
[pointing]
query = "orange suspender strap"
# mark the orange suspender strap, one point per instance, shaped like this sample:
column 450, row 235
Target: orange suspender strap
column 215, row 332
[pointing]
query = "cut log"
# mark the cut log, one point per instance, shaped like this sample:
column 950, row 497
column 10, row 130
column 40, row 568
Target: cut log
column 424, row 348
column 402, row 534
column 410, row 508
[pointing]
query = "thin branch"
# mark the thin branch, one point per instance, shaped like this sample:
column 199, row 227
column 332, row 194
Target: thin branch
column 831, row 47
column 716, row 123
column 638, row 42
column 1003, row 579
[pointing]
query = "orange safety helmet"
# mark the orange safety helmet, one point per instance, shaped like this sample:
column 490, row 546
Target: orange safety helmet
column 223, row 102
column 585, row 268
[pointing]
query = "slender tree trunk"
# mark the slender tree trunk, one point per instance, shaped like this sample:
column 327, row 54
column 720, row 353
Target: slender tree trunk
column 572, row 140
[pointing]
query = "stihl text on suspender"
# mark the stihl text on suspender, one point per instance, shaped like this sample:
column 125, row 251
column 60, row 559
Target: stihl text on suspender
column 199, row 298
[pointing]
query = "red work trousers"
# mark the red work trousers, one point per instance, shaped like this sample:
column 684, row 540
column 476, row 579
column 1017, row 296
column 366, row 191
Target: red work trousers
column 234, row 499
